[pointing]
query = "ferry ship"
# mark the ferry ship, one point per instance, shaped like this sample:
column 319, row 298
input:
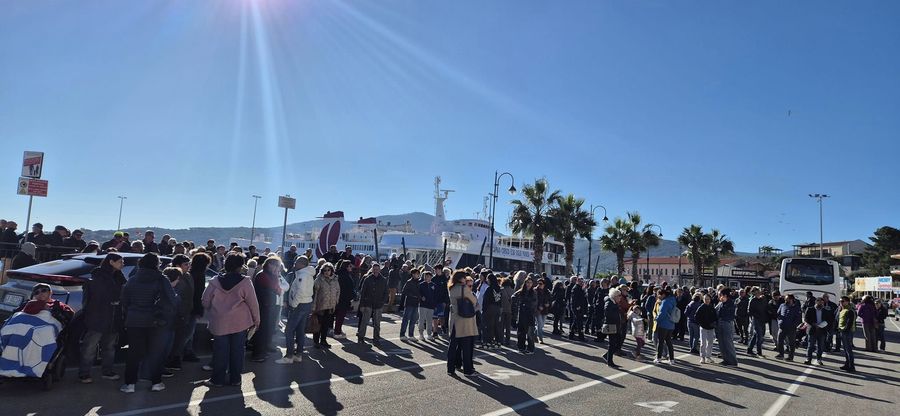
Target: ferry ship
column 463, row 241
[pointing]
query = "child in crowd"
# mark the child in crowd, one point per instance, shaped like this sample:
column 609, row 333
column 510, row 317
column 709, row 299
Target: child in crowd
column 636, row 320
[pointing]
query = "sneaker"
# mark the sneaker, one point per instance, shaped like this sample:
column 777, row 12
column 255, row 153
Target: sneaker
column 85, row 379
column 110, row 376
column 209, row 383
column 671, row 362
column 404, row 338
column 779, row 357
column 656, row 361
column 207, row 367
column 807, row 362
column 158, row 387
column 819, row 362
column 287, row 359
column 127, row 388
column 298, row 358
column 339, row 336
column 167, row 374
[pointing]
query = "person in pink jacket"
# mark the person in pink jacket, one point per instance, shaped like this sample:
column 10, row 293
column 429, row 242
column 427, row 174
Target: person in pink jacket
column 231, row 306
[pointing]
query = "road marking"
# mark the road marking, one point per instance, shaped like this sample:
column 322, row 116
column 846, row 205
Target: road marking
column 781, row 401
column 658, row 407
column 894, row 323
column 294, row 385
column 573, row 389
column 503, row 374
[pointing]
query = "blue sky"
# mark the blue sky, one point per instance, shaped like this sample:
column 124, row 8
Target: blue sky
column 676, row 110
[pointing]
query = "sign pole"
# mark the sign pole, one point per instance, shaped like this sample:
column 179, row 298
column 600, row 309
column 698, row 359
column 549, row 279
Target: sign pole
column 284, row 229
column 28, row 218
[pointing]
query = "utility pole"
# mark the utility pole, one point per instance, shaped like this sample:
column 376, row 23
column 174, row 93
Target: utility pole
column 819, row 198
column 121, row 203
column 253, row 224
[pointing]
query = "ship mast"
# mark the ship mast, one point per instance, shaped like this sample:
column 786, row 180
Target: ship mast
column 440, row 195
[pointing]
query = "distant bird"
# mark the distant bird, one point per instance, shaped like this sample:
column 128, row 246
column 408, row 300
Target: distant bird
column 789, row 113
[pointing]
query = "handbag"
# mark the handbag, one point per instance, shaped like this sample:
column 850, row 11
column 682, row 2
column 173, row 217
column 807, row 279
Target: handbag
column 465, row 308
column 312, row 324
column 609, row 329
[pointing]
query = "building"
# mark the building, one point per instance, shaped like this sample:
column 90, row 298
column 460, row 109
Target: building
column 831, row 249
column 733, row 272
column 659, row 269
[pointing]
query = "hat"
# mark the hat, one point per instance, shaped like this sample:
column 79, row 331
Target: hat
column 118, row 234
column 39, row 286
column 78, row 232
column 38, row 225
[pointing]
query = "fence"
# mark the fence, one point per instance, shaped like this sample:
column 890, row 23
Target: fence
column 42, row 254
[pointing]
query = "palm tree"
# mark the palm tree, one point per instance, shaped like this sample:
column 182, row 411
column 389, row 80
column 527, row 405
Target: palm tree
column 615, row 240
column 639, row 241
column 569, row 222
column 718, row 245
column 530, row 217
column 696, row 241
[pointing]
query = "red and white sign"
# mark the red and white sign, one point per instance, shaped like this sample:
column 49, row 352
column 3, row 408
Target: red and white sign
column 32, row 187
column 32, row 164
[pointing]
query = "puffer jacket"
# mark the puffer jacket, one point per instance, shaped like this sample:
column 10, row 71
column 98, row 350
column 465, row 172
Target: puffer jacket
column 148, row 300
column 611, row 315
column 327, row 292
column 302, row 287
column 374, row 292
column 348, row 293
column 527, row 305
column 100, row 300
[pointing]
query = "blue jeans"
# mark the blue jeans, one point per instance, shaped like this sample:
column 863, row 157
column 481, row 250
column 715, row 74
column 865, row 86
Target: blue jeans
column 228, row 358
column 847, row 339
column 189, row 342
column 694, row 335
column 759, row 333
column 725, row 336
column 410, row 317
column 295, row 330
column 539, row 321
column 89, row 344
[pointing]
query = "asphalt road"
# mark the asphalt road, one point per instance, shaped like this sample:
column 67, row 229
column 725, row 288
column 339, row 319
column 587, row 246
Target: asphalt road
column 562, row 377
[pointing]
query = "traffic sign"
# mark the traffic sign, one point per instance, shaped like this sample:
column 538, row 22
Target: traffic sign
column 32, row 187
column 287, row 202
column 32, row 164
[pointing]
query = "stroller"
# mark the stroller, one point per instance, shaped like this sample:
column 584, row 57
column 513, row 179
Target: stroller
column 32, row 348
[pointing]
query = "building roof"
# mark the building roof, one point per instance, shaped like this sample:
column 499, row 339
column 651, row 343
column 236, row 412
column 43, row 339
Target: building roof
column 829, row 244
column 683, row 260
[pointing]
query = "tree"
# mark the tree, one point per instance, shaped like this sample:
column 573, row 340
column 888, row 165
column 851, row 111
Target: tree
column 569, row 222
column 877, row 258
column 640, row 239
column 615, row 240
column 718, row 245
column 530, row 217
column 696, row 241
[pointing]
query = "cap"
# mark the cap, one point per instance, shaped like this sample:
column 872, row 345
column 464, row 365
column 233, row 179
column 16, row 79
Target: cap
column 118, row 234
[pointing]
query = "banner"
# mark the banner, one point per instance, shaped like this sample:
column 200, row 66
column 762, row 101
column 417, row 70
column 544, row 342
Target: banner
column 873, row 284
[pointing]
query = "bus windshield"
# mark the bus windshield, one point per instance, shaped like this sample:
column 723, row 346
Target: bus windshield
column 809, row 272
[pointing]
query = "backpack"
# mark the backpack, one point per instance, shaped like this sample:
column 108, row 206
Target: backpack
column 675, row 314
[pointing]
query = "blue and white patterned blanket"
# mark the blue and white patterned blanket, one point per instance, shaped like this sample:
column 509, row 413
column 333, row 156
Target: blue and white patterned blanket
column 27, row 344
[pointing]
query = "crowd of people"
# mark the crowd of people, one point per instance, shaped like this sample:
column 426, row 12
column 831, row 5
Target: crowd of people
column 256, row 294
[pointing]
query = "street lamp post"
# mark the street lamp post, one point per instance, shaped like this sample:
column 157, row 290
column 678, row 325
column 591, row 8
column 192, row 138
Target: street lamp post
column 121, row 203
column 512, row 191
column 648, row 249
column 253, row 224
column 820, row 197
column 591, row 238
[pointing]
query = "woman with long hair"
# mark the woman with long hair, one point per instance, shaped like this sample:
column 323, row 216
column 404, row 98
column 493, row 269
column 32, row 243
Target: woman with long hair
column 462, row 329
column 527, row 306
column 102, row 317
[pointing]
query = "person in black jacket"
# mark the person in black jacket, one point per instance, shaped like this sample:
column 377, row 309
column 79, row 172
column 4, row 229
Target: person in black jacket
column 742, row 317
column 599, row 301
column 590, row 322
column 558, row 306
column 493, row 333
column 184, row 288
column 372, row 296
column 76, row 241
column 200, row 262
column 102, row 317
column 527, row 307
column 818, row 326
column 758, row 310
column 612, row 316
column 347, row 294
column 577, row 306
column 148, row 302
column 706, row 318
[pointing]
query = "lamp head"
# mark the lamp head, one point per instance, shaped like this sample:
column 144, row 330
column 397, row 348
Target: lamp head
column 512, row 189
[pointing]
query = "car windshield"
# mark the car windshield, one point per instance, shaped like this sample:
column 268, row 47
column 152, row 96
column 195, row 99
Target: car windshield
column 809, row 272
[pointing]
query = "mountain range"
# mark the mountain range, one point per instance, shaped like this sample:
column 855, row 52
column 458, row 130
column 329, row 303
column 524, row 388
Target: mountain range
column 420, row 222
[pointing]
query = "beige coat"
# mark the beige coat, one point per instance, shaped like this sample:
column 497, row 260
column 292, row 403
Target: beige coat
column 327, row 291
column 465, row 327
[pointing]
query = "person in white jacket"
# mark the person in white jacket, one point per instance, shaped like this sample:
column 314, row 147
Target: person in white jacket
column 300, row 298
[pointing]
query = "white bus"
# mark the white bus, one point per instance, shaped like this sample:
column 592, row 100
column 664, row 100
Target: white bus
column 819, row 276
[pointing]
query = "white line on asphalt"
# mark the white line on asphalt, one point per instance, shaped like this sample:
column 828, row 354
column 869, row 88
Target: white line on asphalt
column 573, row 389
column 294, row 385
column 783, row 399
